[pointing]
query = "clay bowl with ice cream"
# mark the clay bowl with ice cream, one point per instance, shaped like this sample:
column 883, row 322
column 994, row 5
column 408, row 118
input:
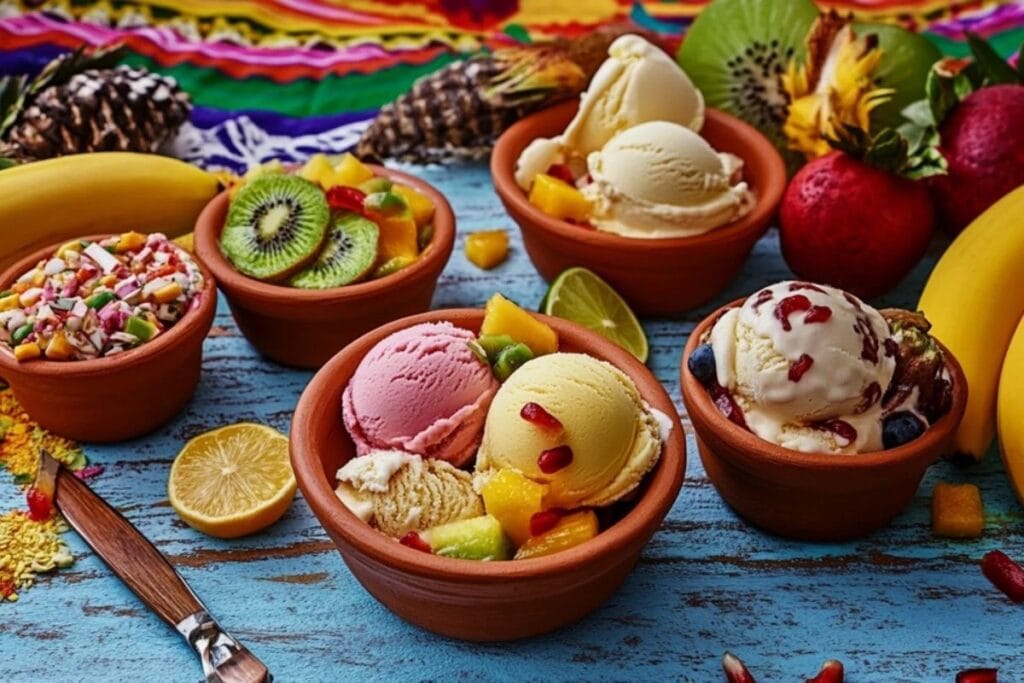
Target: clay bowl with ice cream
column 808, row 495
column 305, row 327
column 116, row 397
column 660, row 275
column 466, row 599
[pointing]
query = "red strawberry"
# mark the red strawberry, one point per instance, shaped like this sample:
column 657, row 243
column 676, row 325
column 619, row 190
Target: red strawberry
column 983, row 142
column 852, row 225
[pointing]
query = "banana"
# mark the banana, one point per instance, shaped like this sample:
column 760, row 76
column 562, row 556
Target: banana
column 48, row 201
column 974, row 299
column 1010, row 411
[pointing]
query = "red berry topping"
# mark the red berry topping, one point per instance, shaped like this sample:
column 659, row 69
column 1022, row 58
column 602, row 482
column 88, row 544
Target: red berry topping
column 841, row 428
column 727, row 405
column 831, row 672
column 764, row 296
column 535, row 414
column 554, row 459
column 415, row 541
column 346, row 198
column 789, row 306
column 818, row 314
column 562, row 172
column 800, row 366
column 545, row 520
column 978, row 676
column 40, row 506
column 797, row 286
column 1004, row 573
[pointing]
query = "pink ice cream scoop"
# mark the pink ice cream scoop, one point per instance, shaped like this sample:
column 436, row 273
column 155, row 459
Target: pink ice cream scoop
column 421, row 390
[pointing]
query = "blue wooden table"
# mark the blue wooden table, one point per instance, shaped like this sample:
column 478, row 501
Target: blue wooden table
column 898, row 606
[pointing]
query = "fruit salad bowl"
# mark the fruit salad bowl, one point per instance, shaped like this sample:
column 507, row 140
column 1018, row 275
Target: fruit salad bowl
column 473, row 600
column 305, row 327
column 117, row 397
column 811, row 496
column 657, row 276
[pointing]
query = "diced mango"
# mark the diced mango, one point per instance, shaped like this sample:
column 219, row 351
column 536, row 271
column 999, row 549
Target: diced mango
column 167, row 293
column 421, row 206
column 501, row 316
column 513, row 499
column 27, row 351
column 186, row 241
column 130, row 241
column 559, row 199
column 73, row 245
column 487, row 248
column 570, row 531
column 397, row 236
column 59, row 348
column 318, row 170
column 350, row 171
column 9, row 302
column 957, row 511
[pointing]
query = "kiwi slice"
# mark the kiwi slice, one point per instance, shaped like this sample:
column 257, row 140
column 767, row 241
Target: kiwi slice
column 907, row 57
column 276, row 226
column 736, row 52
column 348, row 256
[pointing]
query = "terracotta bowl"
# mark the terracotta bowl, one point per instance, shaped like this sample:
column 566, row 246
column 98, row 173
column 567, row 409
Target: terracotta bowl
column 657, row 276
column 811, row 496
column 116, row 398
column 481, row 601
column 304, row 328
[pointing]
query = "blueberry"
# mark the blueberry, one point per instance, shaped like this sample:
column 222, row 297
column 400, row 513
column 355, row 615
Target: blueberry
column 702, row 364
column 901, row 428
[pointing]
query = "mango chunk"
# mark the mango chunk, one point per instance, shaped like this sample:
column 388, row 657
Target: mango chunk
column 27, row 351
column 421, row 206
column 59, row 348
column 957, row 511
column 570, row 531
column 559, row 199
column 398, row 237
column 130, row 241
column 513, row 500
column 350, row 171
column 487, row 248
column 501, row 316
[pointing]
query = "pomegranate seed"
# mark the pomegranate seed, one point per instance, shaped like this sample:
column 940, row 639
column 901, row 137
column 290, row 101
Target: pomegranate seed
column 346, row 198
column 1004, row 573
column 891, row 347
column 818, row 314
column 735, row 670
column 978, row 676
column 40, row 507
column 535, row 413
column 841, row 428
column 789, row 306
column 831, row 672
column 800, row 366
column 562, row 172
column 763, row 297
column 727, row 405
column 798, row 285
column 415, row 541
column 554, row 459
column 545, row 520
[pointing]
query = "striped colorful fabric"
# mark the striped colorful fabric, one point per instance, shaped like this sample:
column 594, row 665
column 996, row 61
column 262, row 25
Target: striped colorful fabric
column 282, row 78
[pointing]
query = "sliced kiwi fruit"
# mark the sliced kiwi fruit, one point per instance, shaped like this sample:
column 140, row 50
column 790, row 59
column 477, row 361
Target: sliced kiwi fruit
column 348, row 256
column 275, row 227
column 907, row 57
column 736, row 52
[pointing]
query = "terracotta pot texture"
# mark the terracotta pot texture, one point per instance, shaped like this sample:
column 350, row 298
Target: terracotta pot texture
column 811, row 496
column 481, row 601
column 304, row 328
column 116, row 398
column 656, row 276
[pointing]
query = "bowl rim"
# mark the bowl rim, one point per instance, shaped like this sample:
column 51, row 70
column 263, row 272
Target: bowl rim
column 512, row 142
column 658, row 497
column 190, row 323
column 755, row 450
column 207, row 234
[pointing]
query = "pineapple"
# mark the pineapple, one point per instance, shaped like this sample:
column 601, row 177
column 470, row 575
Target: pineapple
column 957, row 511
column 513, row 500
column 501, row 316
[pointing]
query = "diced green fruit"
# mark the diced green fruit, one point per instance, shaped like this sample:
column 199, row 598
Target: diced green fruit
column 477, row 538
column 425, row 235
column 21, row 333
column 478, row 351
column 374, row 185
column 494, row 344
column 137, row 327
column 385, row 202
column 99, row 299
column 6, row 292
column 510, row 359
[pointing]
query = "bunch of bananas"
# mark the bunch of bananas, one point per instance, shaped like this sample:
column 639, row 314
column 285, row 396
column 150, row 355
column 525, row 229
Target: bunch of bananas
column 975, row 301
column 45, row 202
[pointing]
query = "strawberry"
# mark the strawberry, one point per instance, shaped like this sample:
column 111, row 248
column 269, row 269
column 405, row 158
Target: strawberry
column 854, row 225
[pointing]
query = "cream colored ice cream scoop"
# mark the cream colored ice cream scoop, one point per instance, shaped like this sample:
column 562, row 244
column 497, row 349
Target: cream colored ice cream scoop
column 399, row 492
column 808, row 365
column 660, row 179
column 613, row 438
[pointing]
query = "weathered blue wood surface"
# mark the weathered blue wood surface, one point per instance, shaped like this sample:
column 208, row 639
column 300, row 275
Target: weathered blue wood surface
column 899, row 606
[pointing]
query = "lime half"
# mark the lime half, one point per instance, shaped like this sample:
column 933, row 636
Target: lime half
column 582, row 297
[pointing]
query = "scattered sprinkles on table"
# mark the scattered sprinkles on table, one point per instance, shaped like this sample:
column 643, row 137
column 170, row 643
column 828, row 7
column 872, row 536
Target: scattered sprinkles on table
column 96, row 299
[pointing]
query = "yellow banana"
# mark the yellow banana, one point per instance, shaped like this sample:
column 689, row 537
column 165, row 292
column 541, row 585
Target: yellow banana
column 48, row 201
column 1010, row 411
column 974, row 298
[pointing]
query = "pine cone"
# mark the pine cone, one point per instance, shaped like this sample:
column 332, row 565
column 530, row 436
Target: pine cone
column 120, row 109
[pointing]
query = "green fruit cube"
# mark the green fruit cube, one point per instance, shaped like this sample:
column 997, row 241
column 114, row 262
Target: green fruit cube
column 477, row 538
column 510, row 359
column 143, row 329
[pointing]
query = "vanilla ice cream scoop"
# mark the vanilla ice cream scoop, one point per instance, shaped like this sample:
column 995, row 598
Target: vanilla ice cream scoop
column 660, row 179
column 808, row 365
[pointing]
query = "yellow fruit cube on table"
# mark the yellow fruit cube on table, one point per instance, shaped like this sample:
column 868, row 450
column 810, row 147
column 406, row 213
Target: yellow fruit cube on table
column 957, row 511
column 501, row 316
column 570, row 531
column 397, row 237
column 513, row 500
column 559, row 199
column 318, row 169
column 421, row 206
column 350, row 171
column 487, row 248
